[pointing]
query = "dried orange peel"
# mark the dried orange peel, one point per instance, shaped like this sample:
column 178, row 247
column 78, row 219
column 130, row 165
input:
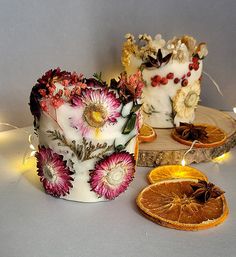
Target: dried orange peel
column 174, row 172
column 170, row 203
column 215, row 137
column 146, row 134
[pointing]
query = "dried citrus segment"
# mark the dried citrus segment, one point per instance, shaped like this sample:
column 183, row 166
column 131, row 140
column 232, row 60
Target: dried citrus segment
column 170, row 203
column 136, row 150
column 215, row 137
column 173, row 172
column 146, row 134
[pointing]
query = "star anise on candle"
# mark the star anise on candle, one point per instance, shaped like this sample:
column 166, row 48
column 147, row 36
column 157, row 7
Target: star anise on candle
column 158, row 61
column 203, row 191
column 191, row 132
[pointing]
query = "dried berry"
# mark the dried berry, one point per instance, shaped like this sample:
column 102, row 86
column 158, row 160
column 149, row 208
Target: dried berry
column 184, row 83
column 195, row 59
column 164, row 81
column 190, row 66
column 196, row 66
column 176, row 80
column 170, row 75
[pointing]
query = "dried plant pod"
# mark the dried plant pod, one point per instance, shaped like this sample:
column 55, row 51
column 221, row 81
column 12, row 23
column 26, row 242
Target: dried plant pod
column 206, row 135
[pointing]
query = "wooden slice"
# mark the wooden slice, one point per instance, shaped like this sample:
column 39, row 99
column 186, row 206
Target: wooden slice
column 165, row 150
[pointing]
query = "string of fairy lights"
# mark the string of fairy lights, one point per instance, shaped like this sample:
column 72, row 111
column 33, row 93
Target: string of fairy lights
column 183, row 161
column 33, row 149
column 30, row 140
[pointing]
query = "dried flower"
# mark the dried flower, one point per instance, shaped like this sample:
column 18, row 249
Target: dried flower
column 190, row 42
column 178, row 49
column 112, row 175
column 201, row 50
column 129, row 48
column 129, row 87
column 46, row 89
column 203, row 191
column 95, row 109
column 186, row 100
column 54, row 173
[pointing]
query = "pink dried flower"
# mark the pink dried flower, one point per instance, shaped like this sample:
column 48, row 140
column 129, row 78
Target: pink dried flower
column 112, row 175
column 97, row 107
column 54, row 173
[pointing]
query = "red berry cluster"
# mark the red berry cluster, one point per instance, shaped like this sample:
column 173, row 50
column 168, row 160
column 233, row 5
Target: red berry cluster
column 158, row 80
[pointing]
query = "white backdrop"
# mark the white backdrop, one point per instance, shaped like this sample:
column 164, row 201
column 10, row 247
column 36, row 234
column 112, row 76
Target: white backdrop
column 86, row 36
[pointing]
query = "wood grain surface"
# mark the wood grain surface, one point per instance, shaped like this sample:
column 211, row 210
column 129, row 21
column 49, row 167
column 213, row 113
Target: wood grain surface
column 165, row 150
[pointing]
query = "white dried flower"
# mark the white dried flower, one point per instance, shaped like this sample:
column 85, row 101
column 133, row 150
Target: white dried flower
column 202, row 50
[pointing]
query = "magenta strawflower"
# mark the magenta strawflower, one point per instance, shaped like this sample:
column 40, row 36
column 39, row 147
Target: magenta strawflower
column 54, row 173
column 95, row 109
column 112, row 175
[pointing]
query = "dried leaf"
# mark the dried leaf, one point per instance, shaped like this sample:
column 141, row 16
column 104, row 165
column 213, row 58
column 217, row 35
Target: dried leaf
column 130, row 124
column 135, row 108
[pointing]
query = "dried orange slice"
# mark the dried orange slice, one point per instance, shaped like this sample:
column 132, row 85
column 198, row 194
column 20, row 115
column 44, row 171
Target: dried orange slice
column 215, row 137
column 136, row 150
column 173, row 172
column 170, row 203
column 146, row 134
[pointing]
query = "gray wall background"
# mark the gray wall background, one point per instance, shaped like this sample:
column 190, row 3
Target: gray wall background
column 86, row 36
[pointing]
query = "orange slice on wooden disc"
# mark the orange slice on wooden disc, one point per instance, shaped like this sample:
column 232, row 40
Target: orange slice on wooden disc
column 174, row 172
column 171, row 203
column 215, row 137
column 146, row 134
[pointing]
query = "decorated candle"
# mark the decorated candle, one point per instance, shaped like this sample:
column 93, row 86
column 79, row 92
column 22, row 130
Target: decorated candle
column 87, row 133
column 172, row 73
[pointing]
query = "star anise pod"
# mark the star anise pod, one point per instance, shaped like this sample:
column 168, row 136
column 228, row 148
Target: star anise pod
column 203, row 191
column 191, row 132
column 158, row 61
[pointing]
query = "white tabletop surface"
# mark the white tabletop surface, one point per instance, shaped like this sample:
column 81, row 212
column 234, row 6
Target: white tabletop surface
column 34, row 224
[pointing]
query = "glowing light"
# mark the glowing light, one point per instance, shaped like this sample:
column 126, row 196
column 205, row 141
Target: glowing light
column 33, row 153
column 31, row 147
column 222, row 158
column 183, row 162
column 234, row 109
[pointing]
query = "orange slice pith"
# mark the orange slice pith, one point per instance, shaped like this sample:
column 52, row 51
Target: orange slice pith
column 146, row 134
column 169, row 203
column 174, row 172
column 216, row 137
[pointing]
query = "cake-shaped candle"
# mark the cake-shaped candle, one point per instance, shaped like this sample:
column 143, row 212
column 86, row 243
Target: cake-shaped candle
column 172, row 73
column 87, row 133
